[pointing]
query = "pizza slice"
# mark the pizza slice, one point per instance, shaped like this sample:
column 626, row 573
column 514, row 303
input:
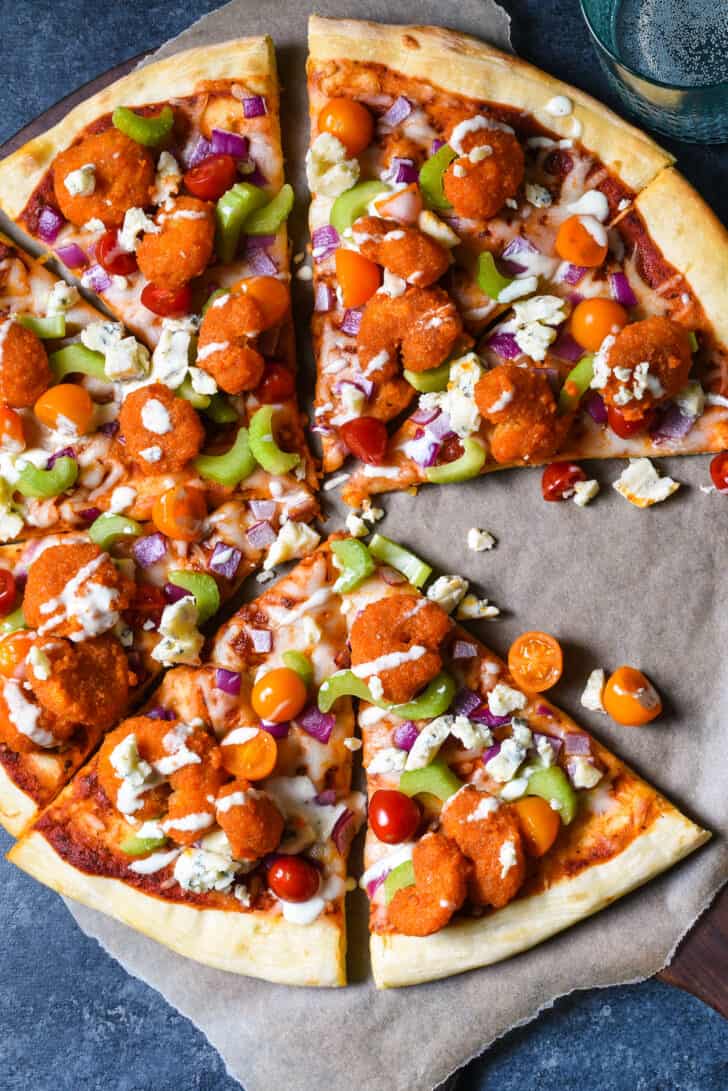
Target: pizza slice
column 500, row 276
column 495, row 821
column 218, row 820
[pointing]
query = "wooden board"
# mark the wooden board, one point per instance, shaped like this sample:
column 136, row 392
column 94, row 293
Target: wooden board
column 700, row 965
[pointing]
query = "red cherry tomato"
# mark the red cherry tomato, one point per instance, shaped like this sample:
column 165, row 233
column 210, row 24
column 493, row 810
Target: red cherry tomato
column 8, row 592
column 293, row 878
column 165, row 302
column 719, row 471
column 624, row 427
column 451, row 449
column 118, row 262
column 147, row 604
column 559, row 479
column 393, row 816
column 209, row 179
column 277, row 385
column 366, row 437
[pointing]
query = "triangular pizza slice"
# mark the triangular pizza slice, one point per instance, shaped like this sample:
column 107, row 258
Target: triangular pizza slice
column 218, row 820
column 506, row 273
column 495, row 820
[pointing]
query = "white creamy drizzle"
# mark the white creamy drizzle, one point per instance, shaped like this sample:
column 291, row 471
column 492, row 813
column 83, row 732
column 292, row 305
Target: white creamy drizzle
column 24, row 715
column 91, row 608
column 189, row 822
column 240, row 735
column 388, row 863
column 390, row 661
column 155, row 862
column 309, row 911
column 214, row 346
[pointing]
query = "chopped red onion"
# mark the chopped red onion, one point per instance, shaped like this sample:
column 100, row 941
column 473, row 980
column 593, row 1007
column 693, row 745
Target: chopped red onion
column 259, row 242
column 424, row 416
column 150, row 549
column 622, row 290
column 225, row 560
column 572, row 274
column 256, row 176
column 505, row 345
column 316, row 723
column 555, row 742
column 466, row 701
column 227, row 681
column 463, row 649
column 343, row 832
column 576, row 743
column 65, row 452
column 173, row 593
column 351, row 321
column 50, row 223
column 96, row 278
column 440, row 427
column 491, row 752
column 278, row 731
column 567, row 348
column 324, row 241
column 544, row 710
column 227, row 143
column 401, row 170
column 392, row 576
column 202, row 150
column 261, row 262
column 261, row 534
column 365, row 385
column 670, row 423
column 89, row 515
column 72, row 255
column 594, row 405
column 519, row 247
column 324, row 298
column 262, row 640
column 254, row 106
column 159, row 712
column 400, row 109
column 110, row 428
column 405, row 735
column 263, row 509
column 423, row 449
column 483, row 715
column 327, row 798
column 436, row 145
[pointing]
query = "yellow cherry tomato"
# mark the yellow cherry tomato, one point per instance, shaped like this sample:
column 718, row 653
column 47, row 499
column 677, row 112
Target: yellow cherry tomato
column 180, row 512
column 253, row 759
column 358, row 277
column 594, row 319
column 630, row 698
column 349, row 121
column 65, row 403
column 12, row 433
column 540, row 824
column 271, row 295
column 576, row 244
column 279, row 695
column 536, row 661
column 13, row 651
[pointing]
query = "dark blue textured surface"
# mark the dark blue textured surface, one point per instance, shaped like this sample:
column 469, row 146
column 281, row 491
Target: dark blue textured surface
column 72, row 1020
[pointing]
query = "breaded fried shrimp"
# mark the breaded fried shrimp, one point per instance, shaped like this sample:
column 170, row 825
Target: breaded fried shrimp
column 251, row 820
column 406, row 251
column 520, row 403
column 74, row 590
column 441, row 876
column 487, row 172
column 162, row 431
column 182, row 249
column 85, row 683
column 225, row 348
column 25, row 373
column 493, row 842
column 148, row 747
column 123, row 178
column 649, row 363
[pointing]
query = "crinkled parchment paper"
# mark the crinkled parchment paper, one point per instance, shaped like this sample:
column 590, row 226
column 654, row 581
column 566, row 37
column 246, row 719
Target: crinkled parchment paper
column 616, row 585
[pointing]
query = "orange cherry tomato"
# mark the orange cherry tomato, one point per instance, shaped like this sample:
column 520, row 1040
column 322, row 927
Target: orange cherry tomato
column 13, row 650
column 180, row 512
column 719, row 471
column 293, row 878
column 12, row 434
column 271, row 295
column 536, row 661
column 540, row 824
column 576, row 244
column 349, row 122
column 63, row 403
column 358, row 277
column 279, row 695
column 630, row 698
column 594, row 319
column 253, row 759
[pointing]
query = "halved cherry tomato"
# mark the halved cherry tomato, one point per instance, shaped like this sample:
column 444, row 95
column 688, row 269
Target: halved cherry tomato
column 540, row 824
column 451, row 450
column 358, row 277
column 293, row 878
column 559, row 478
column 393, row 816
column 719, row 471
column 277, row 385
column 576, row 244
column 112, row 258
column 630, row 698
column 180, row 512
column 13, row 650
column 254, row 759
column 271, row 295
column 65, row 402
column 12, row 434
column 594, row 319
column 624, row 427
column 349, row 121
column 211, row 178
column 8, row 592
column 366, row 438
column 536, row 661
column 279, row 695
column 167, row 301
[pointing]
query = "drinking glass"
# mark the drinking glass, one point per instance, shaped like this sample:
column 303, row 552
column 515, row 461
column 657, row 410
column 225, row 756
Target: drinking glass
column 668, row 61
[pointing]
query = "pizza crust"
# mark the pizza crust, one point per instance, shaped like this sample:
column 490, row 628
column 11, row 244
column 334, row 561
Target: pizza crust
column 410, row 960
column 251, row 59
column 468, row 67
column 17, row 808
column 254, row 944
column 692, row 239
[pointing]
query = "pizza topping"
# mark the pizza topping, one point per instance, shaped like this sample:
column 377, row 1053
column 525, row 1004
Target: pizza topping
column 520, row 404
column 350, row 122
column 279, row 695
column 295, row 880
column 182, row 246
column 641, row 484
column 81, row 683
column 251, row 820
column 479, row 181
column 417, row 330
column 253, row 757
column 440, row 873
column 393, row 816
column 74, row 590
column 153, row 415
column 719, row 472
column 493, row 843
column 66, row 408
column 358, row 277
column 630, row 698
column 536, row 662
column 593, row 320
column 25, row 725
column 167, row 178
column 560, row 479
column 226, row 350
column 582, row 240
column 124, row 358
column 405, row 251
column 648, row 362
column 149, row 130
column 82, row 181
column 61, row 298
column 200, row 871
column 24, row 369
column 123, row 177
column 212, row 177
column 329, row 170
column 180, row 640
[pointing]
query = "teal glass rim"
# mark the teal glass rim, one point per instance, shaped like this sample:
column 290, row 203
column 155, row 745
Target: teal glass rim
column 679, row 88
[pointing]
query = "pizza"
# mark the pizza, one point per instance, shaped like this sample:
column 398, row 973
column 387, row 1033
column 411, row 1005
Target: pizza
column 500, row 275
column 218, row 819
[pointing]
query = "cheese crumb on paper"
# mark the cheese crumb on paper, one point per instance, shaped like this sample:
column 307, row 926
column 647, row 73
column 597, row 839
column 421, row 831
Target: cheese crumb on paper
column 642, row 486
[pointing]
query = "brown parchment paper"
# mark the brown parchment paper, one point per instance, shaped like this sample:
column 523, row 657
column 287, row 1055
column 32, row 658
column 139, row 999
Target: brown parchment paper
column 616, row 585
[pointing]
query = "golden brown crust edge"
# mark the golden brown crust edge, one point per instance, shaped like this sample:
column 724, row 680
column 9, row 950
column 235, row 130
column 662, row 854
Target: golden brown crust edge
column 254, row 944
column 252, row 59
column 409, row 960
column 469, row 67
column 17, row 808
